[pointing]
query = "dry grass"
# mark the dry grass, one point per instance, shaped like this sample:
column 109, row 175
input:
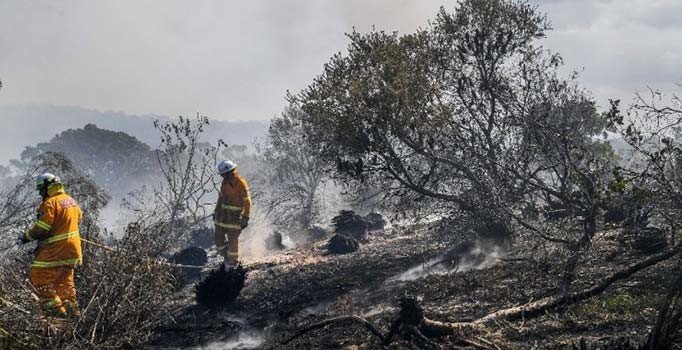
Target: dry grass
column 123, row 297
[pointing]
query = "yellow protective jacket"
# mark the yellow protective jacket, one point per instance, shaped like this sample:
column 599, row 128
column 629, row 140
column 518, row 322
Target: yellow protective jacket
column 234, row 202
column 56, row 231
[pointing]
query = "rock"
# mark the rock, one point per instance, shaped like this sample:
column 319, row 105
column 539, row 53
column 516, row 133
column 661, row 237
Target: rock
column 350, row 224
column 202, row 237
column 615, row 214
column 190, row 256
column 316, row 233
column 460, row 253
column 375, row 221
column 340, row 244
column 194, row 256
column 648, row 240
column 274, row 241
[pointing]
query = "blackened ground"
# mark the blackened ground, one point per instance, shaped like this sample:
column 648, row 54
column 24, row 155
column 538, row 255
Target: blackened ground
column 283, row 290
column 296, row 288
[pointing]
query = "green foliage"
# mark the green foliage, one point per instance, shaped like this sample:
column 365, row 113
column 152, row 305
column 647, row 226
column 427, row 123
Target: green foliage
column 468, row 114
column 620, row 304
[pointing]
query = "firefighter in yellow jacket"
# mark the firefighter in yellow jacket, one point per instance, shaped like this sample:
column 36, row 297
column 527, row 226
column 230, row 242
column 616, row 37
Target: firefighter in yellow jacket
column 232, row 211
column 59, row 248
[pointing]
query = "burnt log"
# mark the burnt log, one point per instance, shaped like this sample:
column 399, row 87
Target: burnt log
column 649, row 240
column 411, row 322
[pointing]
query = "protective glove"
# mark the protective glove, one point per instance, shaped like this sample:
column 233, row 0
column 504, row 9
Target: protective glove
column 22, row 239
column 245, row 222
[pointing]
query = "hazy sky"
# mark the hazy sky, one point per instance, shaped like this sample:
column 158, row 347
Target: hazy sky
column 234, row 60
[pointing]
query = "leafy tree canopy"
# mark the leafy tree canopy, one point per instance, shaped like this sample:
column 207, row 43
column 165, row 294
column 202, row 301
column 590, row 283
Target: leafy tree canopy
column 115, row 160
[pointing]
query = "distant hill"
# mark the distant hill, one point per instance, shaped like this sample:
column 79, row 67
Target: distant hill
column 25, row 125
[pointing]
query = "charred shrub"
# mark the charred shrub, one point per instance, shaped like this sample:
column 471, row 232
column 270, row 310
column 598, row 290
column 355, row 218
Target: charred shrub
column 375, row 221
column 221, row 287
column 340, row 244
column 349, row 224
column 124, row 293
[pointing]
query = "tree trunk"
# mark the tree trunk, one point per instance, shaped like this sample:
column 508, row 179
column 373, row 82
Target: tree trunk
column 589, row 230
column 667, row 330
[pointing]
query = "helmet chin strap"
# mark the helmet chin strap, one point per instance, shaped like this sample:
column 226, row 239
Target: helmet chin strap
column 43, row 192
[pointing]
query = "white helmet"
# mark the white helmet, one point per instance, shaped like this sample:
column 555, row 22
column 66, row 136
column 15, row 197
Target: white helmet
column 226, row 166
column 44, row 180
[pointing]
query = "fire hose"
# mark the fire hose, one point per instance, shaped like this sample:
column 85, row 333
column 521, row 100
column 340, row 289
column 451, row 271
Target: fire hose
column 110, row 249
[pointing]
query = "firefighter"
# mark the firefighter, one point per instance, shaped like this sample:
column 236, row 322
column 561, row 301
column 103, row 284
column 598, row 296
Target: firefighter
column 232, row 211
column 59, row 248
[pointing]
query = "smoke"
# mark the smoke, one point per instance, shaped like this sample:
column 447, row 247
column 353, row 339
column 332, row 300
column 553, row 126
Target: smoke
column 377, row 310
column 429, row 268
column 246, row 339
column 318, row 309
column 172, row 57
column 478, row 258
column 112, row 218
column 252, row 241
